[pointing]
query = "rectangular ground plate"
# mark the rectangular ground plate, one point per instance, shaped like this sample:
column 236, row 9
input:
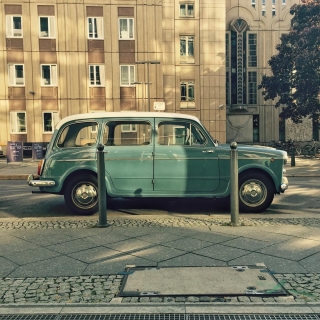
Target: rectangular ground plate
column 202, row 281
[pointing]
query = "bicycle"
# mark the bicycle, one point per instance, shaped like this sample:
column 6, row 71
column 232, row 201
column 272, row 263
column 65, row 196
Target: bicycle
column 311, row 150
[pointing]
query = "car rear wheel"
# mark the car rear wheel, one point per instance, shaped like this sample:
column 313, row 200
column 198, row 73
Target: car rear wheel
column 81, row 194
column 256, row 192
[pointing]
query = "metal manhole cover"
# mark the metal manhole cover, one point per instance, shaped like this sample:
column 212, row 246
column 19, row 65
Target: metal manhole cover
column 200, row 281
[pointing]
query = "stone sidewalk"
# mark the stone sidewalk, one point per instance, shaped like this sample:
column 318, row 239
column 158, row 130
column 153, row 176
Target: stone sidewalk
column 72, row 261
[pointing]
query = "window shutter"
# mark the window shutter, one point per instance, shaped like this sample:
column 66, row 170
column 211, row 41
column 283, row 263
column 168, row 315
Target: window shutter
column 9, row 26
column 100, row 28
column 11, row 73
column 54, row 75
column 102, row 75
column 55, row 119
column 131, row 28
column 131, row 75
column 52, row 31
column 13, row 122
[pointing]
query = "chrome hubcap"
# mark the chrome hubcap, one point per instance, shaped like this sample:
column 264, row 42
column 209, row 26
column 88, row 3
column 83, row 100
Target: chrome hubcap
column 85, row 195
column 253, row 192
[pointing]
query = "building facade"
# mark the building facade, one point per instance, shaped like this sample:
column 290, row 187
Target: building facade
column 200, row 57
column 253, row 29
column 59, row 58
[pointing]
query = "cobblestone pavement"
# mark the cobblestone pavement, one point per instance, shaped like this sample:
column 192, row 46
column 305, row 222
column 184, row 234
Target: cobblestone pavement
column 102, row 289
column 156, row 222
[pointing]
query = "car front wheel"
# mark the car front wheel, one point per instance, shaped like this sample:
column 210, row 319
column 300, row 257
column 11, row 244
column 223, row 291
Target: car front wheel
column 81, row 194
column 256, row 192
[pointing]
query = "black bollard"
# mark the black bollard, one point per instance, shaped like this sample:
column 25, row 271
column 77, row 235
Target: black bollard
column 293, row 157
column 234, row 188
column 102, row 194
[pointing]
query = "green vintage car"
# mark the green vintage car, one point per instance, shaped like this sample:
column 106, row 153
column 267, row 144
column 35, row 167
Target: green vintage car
column 153, row 154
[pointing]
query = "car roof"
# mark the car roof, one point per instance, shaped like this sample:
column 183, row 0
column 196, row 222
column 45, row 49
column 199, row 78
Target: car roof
column 126, row 114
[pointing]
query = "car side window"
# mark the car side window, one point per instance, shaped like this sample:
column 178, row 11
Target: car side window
column 82, row 134
column 127, row 133
column 180, row 133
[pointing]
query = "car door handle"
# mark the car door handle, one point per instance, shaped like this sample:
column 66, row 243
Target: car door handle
column 208, row 151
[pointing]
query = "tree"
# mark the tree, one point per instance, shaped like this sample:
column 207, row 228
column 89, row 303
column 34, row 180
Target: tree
column 296, row 67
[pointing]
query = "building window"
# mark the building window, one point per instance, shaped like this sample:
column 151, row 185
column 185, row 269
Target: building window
column 47, row 27
column 16, row 74
column 253, row 4
column 283, row 3
column 273, row 12
column 186, row 9
column 252, row 50
column 18, row 122
column 95, row 28
column 49, row 120
column 97, row 75
column 129, row 127
column 252, row 87
column 227, row 50
column 48, row 75
column 187, row 91
column 14, row 26
column 187, row 46
column 126, row 76
column 263, row 11
column 228, row 87
column 255, row 125
column 126, row 28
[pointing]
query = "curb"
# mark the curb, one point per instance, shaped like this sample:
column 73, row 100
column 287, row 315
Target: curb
column 14, row 177
column 138, row 308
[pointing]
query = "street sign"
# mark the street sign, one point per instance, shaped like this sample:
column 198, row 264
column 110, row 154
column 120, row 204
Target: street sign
column 159, row 106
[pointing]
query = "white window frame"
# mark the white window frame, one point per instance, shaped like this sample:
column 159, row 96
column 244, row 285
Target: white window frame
column 187, row 39
column 97, row 27
column 53, row 75
column 187, row 84
column 10, row 31
column 130, row 75
column 54, row 121
column 51, row 27
column 186, row 15
column 250, row 61
column 95, row 69
column 250, row 87
column 132, row 127
column 15, row 81
column 129, row 33
column 15, row 126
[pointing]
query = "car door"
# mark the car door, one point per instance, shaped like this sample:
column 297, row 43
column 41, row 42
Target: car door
column 129, row 156
column 185, row 159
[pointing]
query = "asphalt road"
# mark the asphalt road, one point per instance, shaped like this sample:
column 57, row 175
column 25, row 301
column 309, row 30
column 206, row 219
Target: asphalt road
column 16, row 201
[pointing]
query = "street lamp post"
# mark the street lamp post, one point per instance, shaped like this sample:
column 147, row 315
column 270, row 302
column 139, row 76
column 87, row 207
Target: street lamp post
column 148, row 62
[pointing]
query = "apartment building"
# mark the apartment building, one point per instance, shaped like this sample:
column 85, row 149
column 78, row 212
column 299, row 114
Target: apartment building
column 59, row 58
